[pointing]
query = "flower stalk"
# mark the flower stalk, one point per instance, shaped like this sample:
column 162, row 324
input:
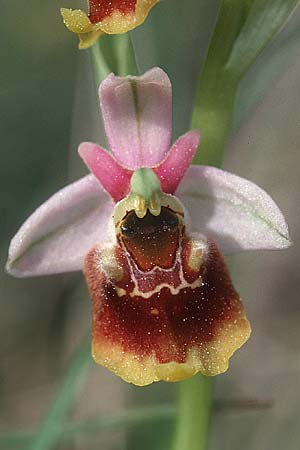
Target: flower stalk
column 238, row 38
column 216, row 88
column 101, row 67
column 194, row 409
column 113, row 54
column 212, row 114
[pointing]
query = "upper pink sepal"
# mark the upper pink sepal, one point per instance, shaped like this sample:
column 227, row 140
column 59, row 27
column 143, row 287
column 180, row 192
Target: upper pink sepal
column 114, row 178
column 234, row 212
column 172, row 169
column 56, row 237
column 137, row 114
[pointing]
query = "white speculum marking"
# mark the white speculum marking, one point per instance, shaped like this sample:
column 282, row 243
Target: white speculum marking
column 110, row 267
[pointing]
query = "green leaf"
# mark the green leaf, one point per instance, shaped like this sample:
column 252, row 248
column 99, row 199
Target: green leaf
column 52, row 428
column 156, row 415
column 270, row 65
column 129, row 418
column 242, row 31
column 265, row 19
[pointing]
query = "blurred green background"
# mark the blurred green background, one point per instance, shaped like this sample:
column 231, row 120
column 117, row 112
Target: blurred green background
column 48, row 105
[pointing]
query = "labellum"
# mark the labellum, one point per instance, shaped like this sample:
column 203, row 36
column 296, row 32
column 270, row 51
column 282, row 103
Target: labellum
column 164, row 307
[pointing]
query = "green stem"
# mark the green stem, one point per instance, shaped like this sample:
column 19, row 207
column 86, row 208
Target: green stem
column 213, row 108
column 194, row 406
column 216, row 87
column 125, row 55
column 113, row 53
column 242, row 31
column 101, row 67
column 215, row 122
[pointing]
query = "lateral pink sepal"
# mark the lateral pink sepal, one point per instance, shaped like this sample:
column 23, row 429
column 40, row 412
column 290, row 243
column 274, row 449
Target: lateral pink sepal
column 172, row 169
column 113, row 177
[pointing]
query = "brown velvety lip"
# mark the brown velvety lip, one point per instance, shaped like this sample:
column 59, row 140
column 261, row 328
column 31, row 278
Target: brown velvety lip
column 164, row 328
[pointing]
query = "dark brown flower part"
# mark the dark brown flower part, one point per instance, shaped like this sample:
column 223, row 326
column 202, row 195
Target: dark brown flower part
column 164, row 307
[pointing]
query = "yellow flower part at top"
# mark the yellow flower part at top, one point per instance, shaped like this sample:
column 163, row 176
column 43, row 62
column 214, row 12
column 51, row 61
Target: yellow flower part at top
column 106, row 16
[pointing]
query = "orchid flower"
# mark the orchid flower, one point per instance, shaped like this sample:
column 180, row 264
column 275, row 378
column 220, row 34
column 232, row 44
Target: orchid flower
column 106, row 17
column 147, row 228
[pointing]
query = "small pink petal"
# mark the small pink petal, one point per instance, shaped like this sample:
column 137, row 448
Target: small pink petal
column 114, row 178
column 137, row 114
column 234, row 212
column 57, row 236
column 172, row 169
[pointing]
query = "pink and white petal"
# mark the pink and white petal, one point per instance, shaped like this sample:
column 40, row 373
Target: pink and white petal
column 113, row 177
column 56, row 237
column 137, row 114
column 172, row 169
column 234, row 212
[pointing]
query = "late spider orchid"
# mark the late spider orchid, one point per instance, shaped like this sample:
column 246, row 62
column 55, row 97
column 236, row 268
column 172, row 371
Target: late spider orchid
column 106, row 17
column 164, row 307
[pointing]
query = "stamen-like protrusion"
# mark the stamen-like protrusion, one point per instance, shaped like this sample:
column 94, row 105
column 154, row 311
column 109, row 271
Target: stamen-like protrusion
column 145, row 195
column 155, row 205
column 140, row 206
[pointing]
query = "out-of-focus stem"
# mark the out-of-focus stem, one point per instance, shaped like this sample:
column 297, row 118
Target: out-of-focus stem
column 49, row 434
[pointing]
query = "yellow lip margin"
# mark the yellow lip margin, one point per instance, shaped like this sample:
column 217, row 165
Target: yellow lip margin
column 78, row 22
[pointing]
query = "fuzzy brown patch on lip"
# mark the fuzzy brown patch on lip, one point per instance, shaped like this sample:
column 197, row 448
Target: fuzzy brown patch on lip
column 153, row 240
column 167, row 336
column 101, row 9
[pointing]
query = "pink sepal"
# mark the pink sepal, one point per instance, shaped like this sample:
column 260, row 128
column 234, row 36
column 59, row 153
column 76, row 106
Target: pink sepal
column 137, row 114
column 172, row 169
column 57, row 236
column 236, row 213
column 114, row 178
